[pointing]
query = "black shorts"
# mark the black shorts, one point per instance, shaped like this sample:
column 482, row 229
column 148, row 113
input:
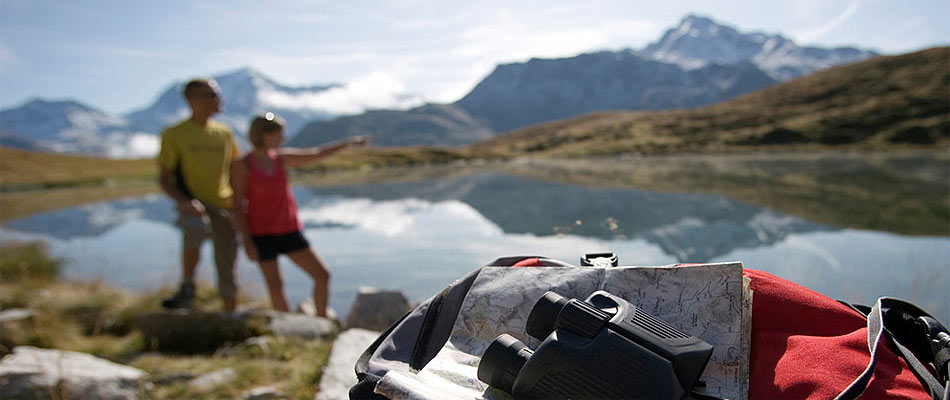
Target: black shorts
column 269, row 246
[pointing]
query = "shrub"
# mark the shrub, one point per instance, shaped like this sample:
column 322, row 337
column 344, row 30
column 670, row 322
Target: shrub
column 27, row 260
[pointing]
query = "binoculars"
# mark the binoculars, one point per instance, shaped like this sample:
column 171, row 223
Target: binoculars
column 599, row 348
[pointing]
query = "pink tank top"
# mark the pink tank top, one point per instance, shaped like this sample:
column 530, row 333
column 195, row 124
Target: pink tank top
column 271, row 209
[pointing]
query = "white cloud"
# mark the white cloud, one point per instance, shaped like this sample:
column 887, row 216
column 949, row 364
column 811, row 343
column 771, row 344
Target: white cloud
column 507, row 38
column 454, row 89
column 143, row 145
column 630, row 33
column 423, row 227
column 299, row 66
column 377, row 90
column 138, row 145
column 814, row 33
column 387, row 218
column 479, row 49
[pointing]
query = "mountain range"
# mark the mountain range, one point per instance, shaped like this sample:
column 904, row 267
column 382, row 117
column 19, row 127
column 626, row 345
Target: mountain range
column 884, row 103
column 72, row 127
column 697, row 63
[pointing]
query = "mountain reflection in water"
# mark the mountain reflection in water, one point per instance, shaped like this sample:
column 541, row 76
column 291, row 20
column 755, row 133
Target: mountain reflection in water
column 419, row 236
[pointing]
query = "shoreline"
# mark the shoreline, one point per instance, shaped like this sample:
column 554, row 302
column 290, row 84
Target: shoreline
column 804, row 184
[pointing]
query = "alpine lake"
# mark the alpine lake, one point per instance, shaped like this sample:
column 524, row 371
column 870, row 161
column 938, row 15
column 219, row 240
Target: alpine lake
column 854, row 227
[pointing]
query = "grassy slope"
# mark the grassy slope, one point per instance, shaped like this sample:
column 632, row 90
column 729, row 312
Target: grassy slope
column 882, row 104
column 24, row 170
column 19, row 167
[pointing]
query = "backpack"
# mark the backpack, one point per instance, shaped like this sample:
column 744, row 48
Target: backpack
column 800, row 344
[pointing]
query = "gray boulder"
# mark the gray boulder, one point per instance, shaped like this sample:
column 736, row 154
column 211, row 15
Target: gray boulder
column 213, row 379
column 376, row 309
column 15, row 325
column 338, row 374
column 15, row 315
column 298, row 325
column 32, row 372
column 172, row 378
column 264, row 393
column 193, row 332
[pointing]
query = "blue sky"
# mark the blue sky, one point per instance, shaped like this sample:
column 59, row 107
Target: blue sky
column 119, row 55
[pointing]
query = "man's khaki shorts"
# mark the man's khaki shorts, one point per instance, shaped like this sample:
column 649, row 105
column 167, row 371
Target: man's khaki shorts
column 217, row 224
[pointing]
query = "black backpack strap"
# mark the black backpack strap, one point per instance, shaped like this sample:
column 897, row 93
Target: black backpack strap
column 432, row 335
column 364, row 389
column 921, row 339
column 876, row 329
column 434, row 324
column 365, row 381
column 438, row 321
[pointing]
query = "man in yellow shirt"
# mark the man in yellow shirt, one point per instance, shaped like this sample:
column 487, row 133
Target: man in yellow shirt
column 194, row 164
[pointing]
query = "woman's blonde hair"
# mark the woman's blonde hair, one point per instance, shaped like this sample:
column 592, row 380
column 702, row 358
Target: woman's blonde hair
column 262, row 124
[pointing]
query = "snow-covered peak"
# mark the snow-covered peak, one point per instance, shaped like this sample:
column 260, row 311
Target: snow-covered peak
column 42, row 120
column 69, row 126
column 247, row 92
column 696, row 26
column 55, row 107
column 699, row 41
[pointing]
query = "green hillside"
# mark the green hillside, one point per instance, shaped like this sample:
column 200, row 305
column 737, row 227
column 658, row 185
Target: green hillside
column 885, row 103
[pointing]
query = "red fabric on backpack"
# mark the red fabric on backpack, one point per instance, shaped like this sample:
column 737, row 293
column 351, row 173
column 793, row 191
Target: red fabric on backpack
column 807, row 345
column 529, row 262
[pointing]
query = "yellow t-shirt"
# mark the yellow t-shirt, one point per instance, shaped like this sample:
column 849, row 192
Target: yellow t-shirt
column 204, row 156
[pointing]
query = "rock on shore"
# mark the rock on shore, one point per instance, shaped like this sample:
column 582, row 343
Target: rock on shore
column 376, row 309
column 192, row 332
column 32, row 372
column 338, row 375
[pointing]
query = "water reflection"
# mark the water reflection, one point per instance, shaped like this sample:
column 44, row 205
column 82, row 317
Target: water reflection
column 96, row 219
column 419, row 236
column 688, row 227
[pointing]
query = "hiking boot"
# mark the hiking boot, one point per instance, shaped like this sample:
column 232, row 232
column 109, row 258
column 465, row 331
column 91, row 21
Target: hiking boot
column 185, row 298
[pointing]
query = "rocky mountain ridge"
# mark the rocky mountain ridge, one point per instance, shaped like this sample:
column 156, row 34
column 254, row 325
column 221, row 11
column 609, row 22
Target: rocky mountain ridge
column 700, row 41
column 697, row 63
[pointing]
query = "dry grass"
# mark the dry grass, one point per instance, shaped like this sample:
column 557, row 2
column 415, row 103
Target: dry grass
column 31, row 168
column 887, row 103
column 292, row 365
column 95, row 318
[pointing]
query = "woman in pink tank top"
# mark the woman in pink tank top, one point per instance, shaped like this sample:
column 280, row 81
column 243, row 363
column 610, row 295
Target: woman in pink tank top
column 265, row 210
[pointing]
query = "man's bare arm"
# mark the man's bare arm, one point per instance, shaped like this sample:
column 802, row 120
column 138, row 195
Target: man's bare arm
column 166, row 179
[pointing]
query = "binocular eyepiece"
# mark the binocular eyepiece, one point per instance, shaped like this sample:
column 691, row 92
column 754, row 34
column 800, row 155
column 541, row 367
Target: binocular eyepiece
column 602, row 347
column 502, row 361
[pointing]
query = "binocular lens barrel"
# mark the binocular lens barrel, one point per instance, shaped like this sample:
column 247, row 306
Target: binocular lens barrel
column 502, row 362
column 554, row 311
column 543, row 317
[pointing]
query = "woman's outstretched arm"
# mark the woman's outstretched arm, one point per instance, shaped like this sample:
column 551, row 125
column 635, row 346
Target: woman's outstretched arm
column 298, row 157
